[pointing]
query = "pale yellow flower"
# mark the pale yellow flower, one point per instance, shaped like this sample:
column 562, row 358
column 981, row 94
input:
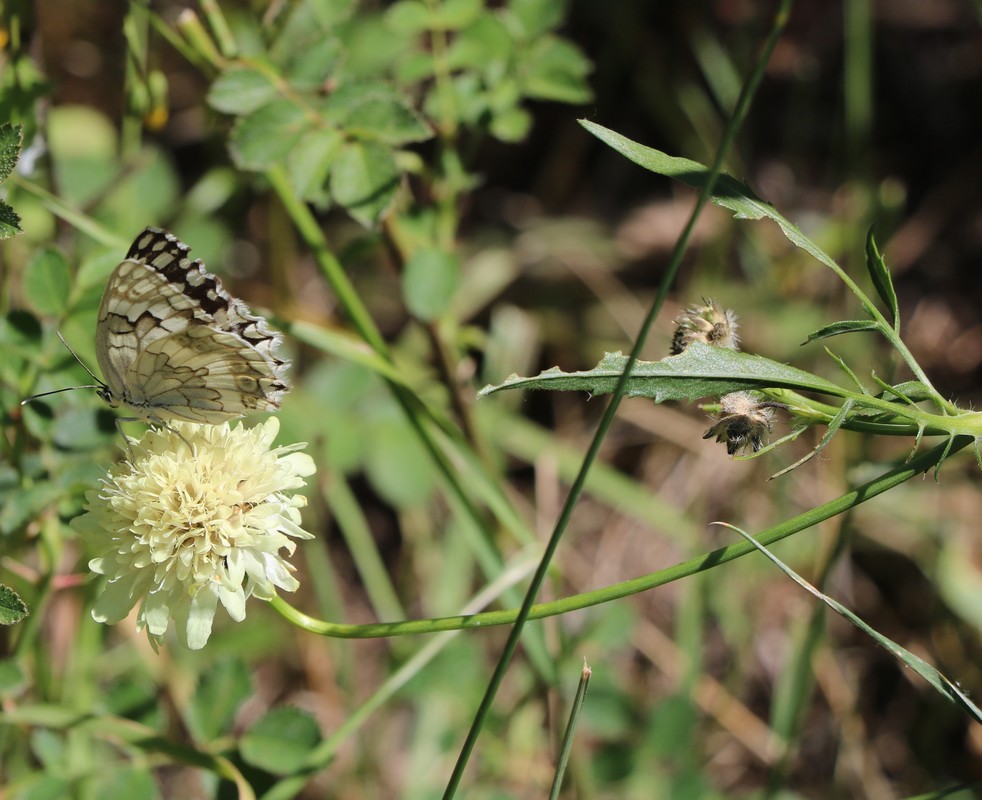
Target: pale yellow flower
column 196, row 517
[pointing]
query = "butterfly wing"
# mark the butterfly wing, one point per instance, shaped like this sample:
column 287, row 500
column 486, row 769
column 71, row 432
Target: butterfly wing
column 173, row 344
column 202, row 374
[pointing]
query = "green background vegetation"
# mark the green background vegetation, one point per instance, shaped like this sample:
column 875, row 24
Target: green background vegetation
column 405, row 191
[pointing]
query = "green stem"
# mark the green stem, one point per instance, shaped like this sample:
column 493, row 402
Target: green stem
column 566, row 514
column 715, row 558
column 425, row 425
column 910, row 419
column 567, row 745
column 330, row 266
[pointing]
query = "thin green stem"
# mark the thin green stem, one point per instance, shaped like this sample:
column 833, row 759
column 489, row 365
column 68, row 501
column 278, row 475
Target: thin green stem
column 885, row 482
column 567, row 744
column 426, row 427
column 909, row 418
column 314, row 237
column 76, row 218
column 566, row 514
column 322, row 755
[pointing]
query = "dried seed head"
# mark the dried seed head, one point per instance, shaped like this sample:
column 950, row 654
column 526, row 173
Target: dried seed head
column 709, row 323
column 744, row 422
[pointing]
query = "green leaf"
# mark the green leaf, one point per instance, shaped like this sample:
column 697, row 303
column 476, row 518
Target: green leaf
column 512, row 125
column 699, row 371
column 48, row 282
column 9, row 221
column 306, row 25
column 241, row 90
column 84, row 153
column 505, row 95
column 309, row 163
column 313, row 66
column 11, row 138
column 555, row 69
column 412, row 17
column 452, row 15
column 833, row 428
column 20, row 334
column 536, row 17
column 364, row 179
column 396, row 463
column 845, row 326
column 374, row 110
column 485, row 46
column 728, row 192
column 82, row 428
column 21, row 507
column 222, row 689
column 280, row 741
column 469, row 99
column 133, row 783
column 22, row 86
column 149, row 190
column 330, row 13
column 408, row 17
column 267, row 136
column 12, row 608
column 12, row 677
column 41, row 786
column 429, row 282
column 880, row 276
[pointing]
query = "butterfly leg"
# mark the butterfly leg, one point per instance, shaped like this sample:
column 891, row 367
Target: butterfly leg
column 126, row 439
column 159, row 423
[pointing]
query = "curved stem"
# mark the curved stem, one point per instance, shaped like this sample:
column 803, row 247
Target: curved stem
column 706, row 561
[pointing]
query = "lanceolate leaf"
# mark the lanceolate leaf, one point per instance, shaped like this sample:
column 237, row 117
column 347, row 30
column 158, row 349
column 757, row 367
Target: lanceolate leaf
column 845, row 326
column 728, row 192
column 700, row 371
column 880, row 275
column 945, row 687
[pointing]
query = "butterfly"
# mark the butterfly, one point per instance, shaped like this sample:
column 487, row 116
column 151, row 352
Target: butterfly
column 174, row 345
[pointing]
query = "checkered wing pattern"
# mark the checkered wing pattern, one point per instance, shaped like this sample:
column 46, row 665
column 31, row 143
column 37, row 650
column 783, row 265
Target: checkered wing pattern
column 172, row 344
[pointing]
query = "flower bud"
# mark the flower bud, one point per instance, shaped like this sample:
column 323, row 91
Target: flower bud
column 744, row 422
column 708, row 323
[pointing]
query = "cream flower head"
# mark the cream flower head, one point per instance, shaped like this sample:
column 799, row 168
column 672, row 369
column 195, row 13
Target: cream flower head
column 181, row 532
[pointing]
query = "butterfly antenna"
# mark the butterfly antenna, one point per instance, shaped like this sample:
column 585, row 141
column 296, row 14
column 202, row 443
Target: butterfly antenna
column 97, row 385
column 75, row 356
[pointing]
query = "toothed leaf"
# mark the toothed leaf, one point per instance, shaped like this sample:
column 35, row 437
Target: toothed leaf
column 880, row 275
column 699, row 371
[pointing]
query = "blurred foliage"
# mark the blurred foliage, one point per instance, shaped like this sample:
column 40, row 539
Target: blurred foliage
column 485, row 234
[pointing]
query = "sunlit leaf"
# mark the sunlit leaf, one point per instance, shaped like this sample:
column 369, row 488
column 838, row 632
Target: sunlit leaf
column 699, row 371
column 241, row 90
column 364, row 179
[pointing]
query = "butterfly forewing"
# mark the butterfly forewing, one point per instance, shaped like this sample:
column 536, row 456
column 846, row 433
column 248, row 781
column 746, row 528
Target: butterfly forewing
column 174, row 345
